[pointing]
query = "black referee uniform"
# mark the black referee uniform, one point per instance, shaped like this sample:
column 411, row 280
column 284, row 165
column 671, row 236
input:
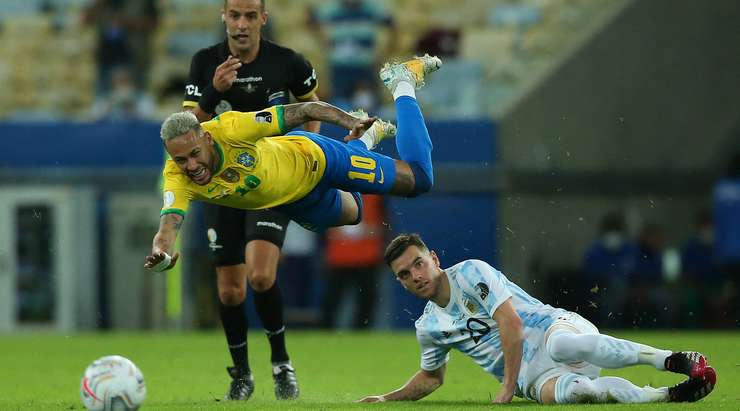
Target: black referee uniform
column 267, row 81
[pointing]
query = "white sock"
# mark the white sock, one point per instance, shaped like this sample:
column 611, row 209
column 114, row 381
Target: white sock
column 368, row 139
column 654, row 356
column 602, row 350
column 574, row 388
column 404, row 88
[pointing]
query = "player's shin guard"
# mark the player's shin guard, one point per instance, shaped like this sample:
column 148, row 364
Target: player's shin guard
column 574, row 388
column 413, row 143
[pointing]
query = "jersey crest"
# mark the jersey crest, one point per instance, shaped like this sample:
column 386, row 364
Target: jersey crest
column 470, row 305
column 246, row 159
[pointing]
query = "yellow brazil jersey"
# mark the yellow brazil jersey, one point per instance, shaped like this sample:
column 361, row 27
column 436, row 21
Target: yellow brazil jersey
column 254, row 172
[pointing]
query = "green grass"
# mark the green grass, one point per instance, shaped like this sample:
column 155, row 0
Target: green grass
column 41, row 371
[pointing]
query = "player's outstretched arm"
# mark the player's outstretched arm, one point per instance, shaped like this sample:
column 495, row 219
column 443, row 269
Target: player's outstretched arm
column 419, row 386
column 512, row 338
column 312, row 126
column 296, row 114
column 164, row 240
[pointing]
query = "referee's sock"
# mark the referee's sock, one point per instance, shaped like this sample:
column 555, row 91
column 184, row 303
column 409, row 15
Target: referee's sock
column 413, row 143
column 234, row 320
column 269, row 305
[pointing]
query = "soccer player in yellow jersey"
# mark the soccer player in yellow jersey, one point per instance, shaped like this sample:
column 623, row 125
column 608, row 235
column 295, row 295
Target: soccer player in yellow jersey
column 247, row 161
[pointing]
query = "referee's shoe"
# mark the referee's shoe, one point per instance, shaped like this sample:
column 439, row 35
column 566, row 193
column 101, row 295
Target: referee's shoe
column 286, row 384
column 242, row 384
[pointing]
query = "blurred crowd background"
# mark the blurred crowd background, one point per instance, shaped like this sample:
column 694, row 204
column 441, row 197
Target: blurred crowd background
column 589, row 149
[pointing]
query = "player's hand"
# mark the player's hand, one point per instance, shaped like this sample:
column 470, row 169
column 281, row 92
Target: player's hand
column 372, row 398
column 225, row 74
column 157, row 260
column 359, row 128
column 504, row 396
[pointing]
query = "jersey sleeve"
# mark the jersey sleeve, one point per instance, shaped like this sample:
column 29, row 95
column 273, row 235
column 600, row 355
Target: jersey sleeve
column 433, row 355
column 238, row 128
column 485, row 284
column 176, row 197
column 196, row 82
column 303, row 77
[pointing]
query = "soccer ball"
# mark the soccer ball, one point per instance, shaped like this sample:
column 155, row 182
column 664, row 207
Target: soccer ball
column 112, row 383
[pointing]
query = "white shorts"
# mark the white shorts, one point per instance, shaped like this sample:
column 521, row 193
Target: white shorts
column 543, row 368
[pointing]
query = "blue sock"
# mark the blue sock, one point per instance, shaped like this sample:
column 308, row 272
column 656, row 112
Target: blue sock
column 413, row 143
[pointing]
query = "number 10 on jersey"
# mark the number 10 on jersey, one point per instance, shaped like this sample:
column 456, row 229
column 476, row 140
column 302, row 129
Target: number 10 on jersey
column 362, row 163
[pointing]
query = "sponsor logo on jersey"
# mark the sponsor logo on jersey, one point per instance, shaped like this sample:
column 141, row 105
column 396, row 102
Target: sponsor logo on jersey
column 482, row 290
column 311, row 78
column 192, row 90
column 230, row 175
column 212, row 238
column 250, row 79
column 263, row 117
column 269, row 224
column 246, row 159
column 169, row 199
column 249, row 88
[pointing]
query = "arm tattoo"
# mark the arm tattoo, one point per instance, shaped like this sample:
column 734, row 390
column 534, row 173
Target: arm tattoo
column 299, row 113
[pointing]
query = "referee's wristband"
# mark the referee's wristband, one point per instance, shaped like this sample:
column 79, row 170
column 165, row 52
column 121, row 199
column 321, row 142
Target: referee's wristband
column 209, row 99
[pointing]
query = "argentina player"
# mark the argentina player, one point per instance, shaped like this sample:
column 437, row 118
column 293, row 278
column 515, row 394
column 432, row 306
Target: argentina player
column 536, row 351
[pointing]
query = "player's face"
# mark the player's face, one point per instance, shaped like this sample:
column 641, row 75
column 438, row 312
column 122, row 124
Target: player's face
column 418, row 271
column 244, row 20
column 195, row 155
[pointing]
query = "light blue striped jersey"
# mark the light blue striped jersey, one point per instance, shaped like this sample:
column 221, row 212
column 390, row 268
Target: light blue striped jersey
column 466, row 323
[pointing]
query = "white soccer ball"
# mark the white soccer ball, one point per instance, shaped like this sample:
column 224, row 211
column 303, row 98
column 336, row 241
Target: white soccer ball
column 112, row 383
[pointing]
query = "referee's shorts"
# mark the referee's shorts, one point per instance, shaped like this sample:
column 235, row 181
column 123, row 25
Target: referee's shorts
column 230, row 229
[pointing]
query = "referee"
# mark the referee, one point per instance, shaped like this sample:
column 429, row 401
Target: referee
column 248, row 73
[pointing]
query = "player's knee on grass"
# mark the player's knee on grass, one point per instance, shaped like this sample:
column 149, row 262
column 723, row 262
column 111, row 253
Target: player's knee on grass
column 547, row 392
column 577, row 389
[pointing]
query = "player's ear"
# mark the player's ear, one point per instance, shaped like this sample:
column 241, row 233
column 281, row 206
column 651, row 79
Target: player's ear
column 434, row 257
column 264, row 18
column 223, row 17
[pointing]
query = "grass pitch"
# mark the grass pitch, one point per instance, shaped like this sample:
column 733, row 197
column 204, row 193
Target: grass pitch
column 41, row 371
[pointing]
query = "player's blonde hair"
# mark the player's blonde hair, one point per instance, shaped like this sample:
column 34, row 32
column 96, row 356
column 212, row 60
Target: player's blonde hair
column 178, row 124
